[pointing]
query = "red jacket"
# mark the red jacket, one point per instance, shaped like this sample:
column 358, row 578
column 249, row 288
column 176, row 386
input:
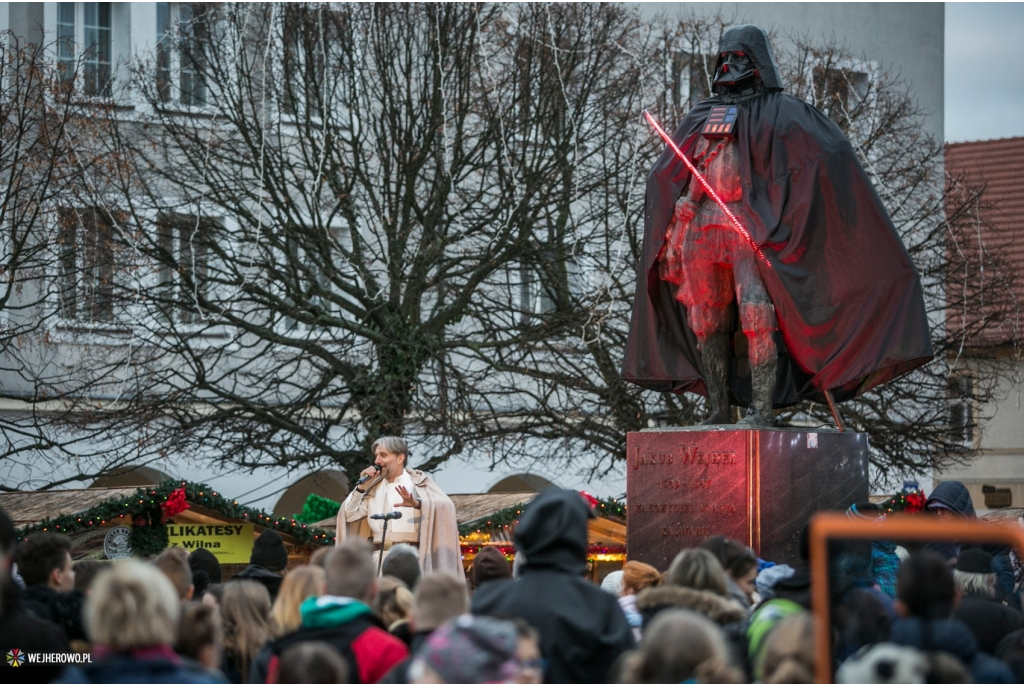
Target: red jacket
column 369, row 650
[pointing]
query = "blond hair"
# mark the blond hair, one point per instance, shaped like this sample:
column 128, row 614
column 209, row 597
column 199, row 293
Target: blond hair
column 299, row 585
column 393, row 601
column 438, row 598
column 637, row 575
column 659, row 659
column 173, row 562
column 132, row 606
column 789, row 651
column 245, row 609
column 698, row 569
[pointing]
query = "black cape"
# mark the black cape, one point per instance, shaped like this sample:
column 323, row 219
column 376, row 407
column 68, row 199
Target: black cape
column 848, row 298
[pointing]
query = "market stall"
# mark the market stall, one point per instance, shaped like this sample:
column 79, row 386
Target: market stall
column 117, row 523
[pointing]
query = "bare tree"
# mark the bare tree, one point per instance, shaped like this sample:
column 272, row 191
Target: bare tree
column 331, row 222
column 579, row 406
column 49, row 270
column 342, row 226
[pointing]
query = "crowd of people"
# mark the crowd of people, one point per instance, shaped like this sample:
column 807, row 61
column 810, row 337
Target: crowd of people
column 717, row 614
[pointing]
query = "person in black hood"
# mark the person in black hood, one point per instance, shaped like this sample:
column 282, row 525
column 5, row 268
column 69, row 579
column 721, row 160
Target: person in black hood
column 582, row 628
column 952, row 499
column 951, row 496
column 267, row 563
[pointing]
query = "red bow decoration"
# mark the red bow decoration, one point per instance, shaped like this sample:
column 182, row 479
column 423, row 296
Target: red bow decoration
column 175, row 504
column 915, row 503
column 590, row 499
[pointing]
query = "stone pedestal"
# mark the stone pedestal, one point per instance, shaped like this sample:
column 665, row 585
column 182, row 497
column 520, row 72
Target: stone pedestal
column 757, row 486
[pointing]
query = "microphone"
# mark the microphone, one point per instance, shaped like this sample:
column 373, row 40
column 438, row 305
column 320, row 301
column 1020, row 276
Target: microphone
column 366, row 478
column 388, row 516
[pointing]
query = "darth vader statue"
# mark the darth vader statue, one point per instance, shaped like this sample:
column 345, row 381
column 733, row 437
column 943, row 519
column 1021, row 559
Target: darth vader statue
column 813, row 294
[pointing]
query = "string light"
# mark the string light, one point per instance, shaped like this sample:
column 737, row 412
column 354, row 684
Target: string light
column 150, row 535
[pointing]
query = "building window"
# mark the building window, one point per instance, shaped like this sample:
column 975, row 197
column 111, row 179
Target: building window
column 536, row 296
column 86, row 243
column 540, row 287
column 181, row 38
column 962, row 419
column 837, row 91
column 309, row 290
column 86, row 28
column 184, row 244
column 303, row 61
column 689, row 78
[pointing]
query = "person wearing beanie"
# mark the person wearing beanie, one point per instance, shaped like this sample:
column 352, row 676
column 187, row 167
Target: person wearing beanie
column 489, row 564
column 468, row 649
column 267, row 563
column 885, row 563
column 205, row 571
column 612, row 583
column 582, row 629
column 989, row 619
column 204, row 560
column 403, row 562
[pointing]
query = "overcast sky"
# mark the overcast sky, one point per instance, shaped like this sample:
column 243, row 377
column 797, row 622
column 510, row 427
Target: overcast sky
column 984, row 70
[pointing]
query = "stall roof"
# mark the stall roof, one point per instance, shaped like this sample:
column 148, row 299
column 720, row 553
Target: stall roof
column 470, row 508
column 1008, row 515
column 27, row 508
column 31, row 507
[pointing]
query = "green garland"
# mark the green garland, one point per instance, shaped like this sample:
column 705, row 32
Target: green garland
column 317, row 508
column 497, row 520
column 607, row 508
column 149, row 532
column 611, row 508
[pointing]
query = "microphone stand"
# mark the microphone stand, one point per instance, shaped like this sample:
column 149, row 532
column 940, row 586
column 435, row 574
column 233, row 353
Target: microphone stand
column 383, row 537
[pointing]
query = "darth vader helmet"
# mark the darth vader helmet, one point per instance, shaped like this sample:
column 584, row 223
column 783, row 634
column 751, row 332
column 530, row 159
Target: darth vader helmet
column 746, row 65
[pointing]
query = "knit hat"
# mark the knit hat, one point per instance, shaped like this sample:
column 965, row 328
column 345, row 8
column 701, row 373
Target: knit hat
column 472, row 649
column 864, row 511
column 403, row 562
column 612, row 583
column 490, row 564
column 766, row 579
column 269, row 551
column 203, row 560
column 885, row 663
column 974, row 561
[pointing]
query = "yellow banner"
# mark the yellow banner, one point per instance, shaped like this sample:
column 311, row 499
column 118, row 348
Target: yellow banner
column 231, row 543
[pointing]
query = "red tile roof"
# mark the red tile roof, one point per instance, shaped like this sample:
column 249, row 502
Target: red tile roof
column 998, row 167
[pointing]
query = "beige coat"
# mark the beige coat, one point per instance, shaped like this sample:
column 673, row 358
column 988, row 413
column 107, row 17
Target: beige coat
column 439, row 531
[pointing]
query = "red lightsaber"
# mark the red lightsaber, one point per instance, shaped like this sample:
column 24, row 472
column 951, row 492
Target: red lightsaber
column 707, row 188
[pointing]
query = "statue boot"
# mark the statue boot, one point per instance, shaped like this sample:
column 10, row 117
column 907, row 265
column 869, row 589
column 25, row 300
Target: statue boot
column 715, row 356
column 761, row 414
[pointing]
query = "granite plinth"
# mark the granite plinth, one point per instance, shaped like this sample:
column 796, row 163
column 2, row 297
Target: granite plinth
column 757, row 486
